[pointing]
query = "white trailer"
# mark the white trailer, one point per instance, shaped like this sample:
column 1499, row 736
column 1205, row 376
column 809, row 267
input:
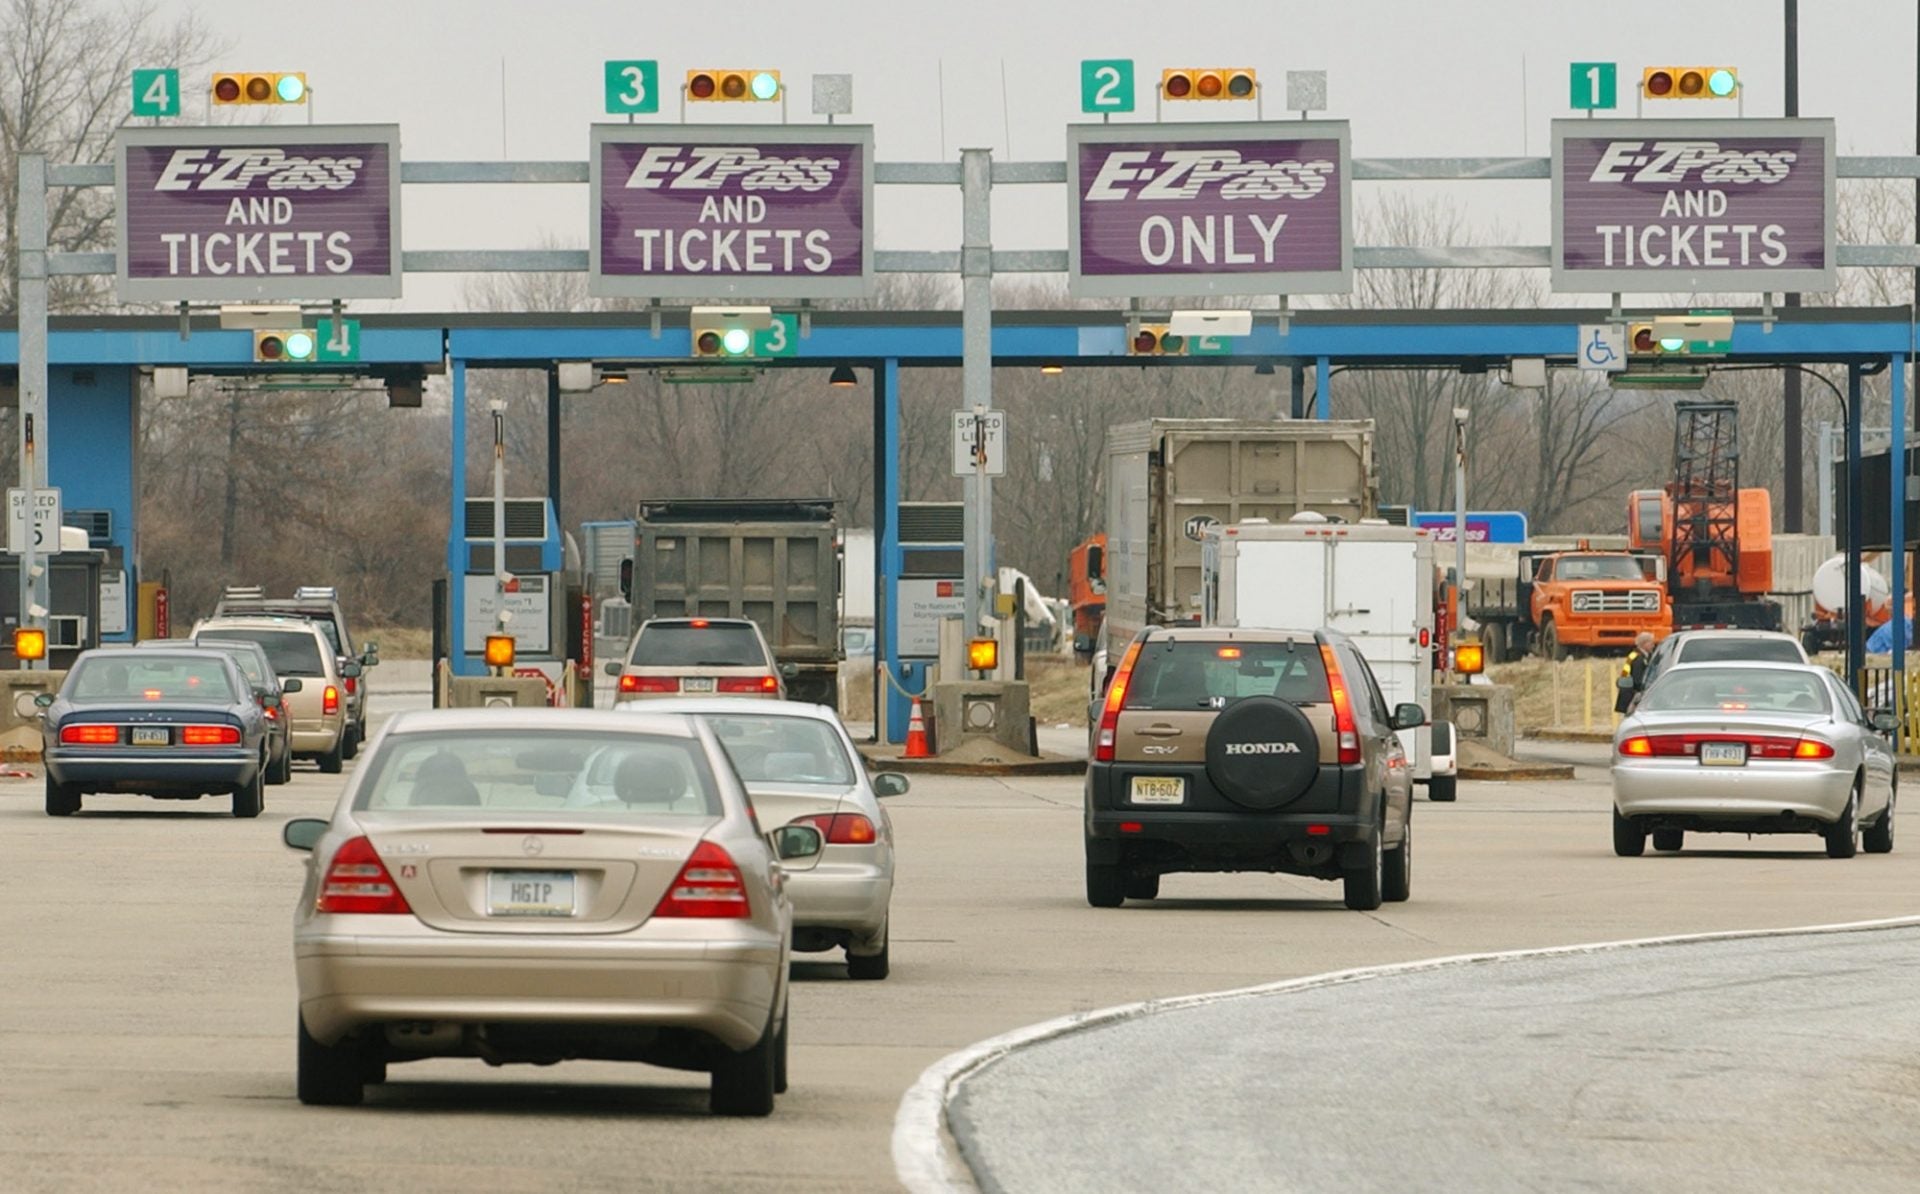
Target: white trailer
column 1371, row 582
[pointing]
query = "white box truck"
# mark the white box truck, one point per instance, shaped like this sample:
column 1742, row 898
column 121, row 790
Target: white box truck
column 1371, row 582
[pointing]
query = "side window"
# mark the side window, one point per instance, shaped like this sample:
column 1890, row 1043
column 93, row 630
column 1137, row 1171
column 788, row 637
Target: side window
column 1849, row 704
column 1375, row 704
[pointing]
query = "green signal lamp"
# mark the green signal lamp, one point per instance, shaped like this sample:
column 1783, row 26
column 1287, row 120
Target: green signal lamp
column 736, row 341
column 291, row 89
column 765, row 85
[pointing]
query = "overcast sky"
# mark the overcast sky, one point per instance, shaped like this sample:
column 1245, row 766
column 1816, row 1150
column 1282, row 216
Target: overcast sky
column 1417, row 78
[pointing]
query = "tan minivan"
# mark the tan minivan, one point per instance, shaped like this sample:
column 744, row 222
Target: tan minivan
column 297, row 647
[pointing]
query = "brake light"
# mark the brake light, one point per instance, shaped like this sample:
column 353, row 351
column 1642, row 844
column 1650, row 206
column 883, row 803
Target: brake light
column 1639, row 745
column 209, row 735
column 1759, row 746
column 699, row 623
column 842, row 829
column 330, row 700
column 90, row 735
column 358, row 882
column 747, row 684
column 708, row 885
column 1116, row 698
column 270, row 712
column 1812, row 748
column 1345, row 732
column 353, row 685
column 649, row 684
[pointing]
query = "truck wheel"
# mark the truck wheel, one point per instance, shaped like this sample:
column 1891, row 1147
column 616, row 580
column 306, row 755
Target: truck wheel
column 1494, row 640
column 1550, row 644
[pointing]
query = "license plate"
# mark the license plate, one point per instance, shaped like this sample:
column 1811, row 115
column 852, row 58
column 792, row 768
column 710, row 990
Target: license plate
column 1723, row 754
column 1159, row 789
column 150, row 736
column 530, row 893
column 697, row 684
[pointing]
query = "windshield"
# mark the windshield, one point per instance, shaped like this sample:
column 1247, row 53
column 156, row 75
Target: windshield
column 641, row 774
column 1198, row 675
column 783, row 750
column 289, row 652
column 1722, row 650
column 685, row 644
column 1734, row 690
column 1599, row 568
column 150, row 677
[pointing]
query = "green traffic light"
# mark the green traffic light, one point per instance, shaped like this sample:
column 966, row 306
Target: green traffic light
column 1672, row 345
column 299, row 346
column 736, row 341
column 1721, row 82
column 292, row 89
column 765, row 86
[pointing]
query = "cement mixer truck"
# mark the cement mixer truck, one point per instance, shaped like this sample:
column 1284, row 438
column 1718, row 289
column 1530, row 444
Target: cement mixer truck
column 1827, row 631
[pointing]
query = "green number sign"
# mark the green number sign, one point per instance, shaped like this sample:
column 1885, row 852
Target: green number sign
column 1209, row 346
column 156, row 92
column 633, row 88
column 1106, row 85
column 1592, row 86
column 780, row 340
column 339, row 341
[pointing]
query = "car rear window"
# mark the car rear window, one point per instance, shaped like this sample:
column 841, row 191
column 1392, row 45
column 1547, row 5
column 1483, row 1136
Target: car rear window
column 1195, row 675
column 783, row 750
column 150, row 677
column 1722, row 650
column 683, row 644
column 249, row 660
column 555, row 774
column 290, row 652
column 1734, row 690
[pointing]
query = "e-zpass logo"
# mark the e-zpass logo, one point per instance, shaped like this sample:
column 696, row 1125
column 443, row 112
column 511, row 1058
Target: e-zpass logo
column 1675, row 163
column 711, row 167
column 1192, row 173
column 240, row 169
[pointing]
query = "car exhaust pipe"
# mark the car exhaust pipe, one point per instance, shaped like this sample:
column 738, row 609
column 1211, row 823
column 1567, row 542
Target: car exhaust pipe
column 1310, row 853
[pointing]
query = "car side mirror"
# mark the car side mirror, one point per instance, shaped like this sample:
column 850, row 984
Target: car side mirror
column 789, row 670
column 612, row 667
column 270, row 700
column 797, row 844
column 1407, row 716
column 291, row 684
column 370, row 656
column 350, row 669
column 303, row 833
column 1883, row 720
column 43, row 700
column 890, row 783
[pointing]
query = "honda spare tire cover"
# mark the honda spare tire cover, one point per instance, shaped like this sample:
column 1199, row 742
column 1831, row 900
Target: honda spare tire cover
column 1262, row 753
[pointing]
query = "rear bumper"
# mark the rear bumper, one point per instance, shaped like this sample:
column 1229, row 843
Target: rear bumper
column 1684, row 789
column 154, row 773
column 317, row 741
column 852, row 896
column 1336, row 811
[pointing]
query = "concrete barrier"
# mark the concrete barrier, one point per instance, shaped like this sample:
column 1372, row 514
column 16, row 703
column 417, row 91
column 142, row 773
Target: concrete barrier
column 1483, row 712
column 482, row 692
column 20, row 736
column 991, row 709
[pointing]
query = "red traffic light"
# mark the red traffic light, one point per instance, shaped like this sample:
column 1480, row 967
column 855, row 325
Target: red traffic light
column 226, row 89
column 1179, row 86
column 707, row 344
column 1643, row 338
column 271, row 349
column 1145, row 341
column 1659, row 83
column 700, row 86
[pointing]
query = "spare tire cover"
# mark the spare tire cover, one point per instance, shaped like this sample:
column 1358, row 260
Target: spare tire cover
column 1262, row 753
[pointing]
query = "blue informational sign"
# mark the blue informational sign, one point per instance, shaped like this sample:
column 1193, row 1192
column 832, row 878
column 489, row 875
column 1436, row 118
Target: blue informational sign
column 1483, row 526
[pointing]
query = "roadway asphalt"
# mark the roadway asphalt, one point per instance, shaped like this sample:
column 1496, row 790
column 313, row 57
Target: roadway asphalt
column 1775, row 1063
column 147, row 996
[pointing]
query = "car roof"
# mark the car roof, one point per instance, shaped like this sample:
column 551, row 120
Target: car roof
column 743, row 706
column 539, row 717
column 258, row 622
column 689, row 619
column 1688, row 635
column 155, row 647
column 1230, row 634
column 1757, row 665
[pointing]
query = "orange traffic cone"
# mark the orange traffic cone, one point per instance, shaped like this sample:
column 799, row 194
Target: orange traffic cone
column 917, row 735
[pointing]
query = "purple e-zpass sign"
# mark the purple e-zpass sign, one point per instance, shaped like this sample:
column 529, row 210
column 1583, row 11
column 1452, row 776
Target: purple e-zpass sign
column 705, row 211
column 308, row 212
column 1676, row 205
column 1195, row 209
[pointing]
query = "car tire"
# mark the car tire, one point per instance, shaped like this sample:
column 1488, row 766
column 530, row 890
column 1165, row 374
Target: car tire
column 869, row 967
column 743, row 1083
column 349, row 742
column 330, row 762
column 329, row 1075
column 1878, row 837
column 1629, row 838
column 1397, row 869
column 282, row 772
column 1362, row 885
column 63, row 800
column 249, row 800
column 1106, row 885
column 1669, row 840
column 1443, row 789
column 1843, row 836
column 1142, row 887
column 780, row 1055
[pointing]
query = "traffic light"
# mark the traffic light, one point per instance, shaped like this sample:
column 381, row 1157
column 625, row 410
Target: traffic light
column 293, row 346
column 1706, row 334
column 734, row 86
column 722, row 340
column 1211, row 83
column 1154, row 340
column 288, row 88
column 29, row 642
column 1689, row 82
column 1643, row 342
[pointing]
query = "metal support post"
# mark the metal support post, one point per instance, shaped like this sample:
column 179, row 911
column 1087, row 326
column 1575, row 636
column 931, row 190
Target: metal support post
column 886, row 558
column 457, row 528
column 976, row 356
column 500, row 574
column 1298, row 408
column 1897, row 526
column 1322, row 390
column 1459, row 526
column 32, row 281
column 1793, row 418
column 1823, row 478
column 553, row 442
column 1856, row 517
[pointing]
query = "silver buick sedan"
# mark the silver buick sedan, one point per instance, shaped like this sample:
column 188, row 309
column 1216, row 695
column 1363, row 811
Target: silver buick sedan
column 1752, row 748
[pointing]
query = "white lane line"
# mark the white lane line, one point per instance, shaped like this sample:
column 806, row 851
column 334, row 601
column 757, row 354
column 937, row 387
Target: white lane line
column 927, row 1163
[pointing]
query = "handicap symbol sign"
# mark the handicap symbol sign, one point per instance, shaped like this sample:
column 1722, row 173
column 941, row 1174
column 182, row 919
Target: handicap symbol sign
column 1603, row 347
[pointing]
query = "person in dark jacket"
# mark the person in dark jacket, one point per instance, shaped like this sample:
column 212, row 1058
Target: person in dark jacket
column 1633, row 670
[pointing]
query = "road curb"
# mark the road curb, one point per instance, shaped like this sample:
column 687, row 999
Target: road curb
column 938, row 766
column 1511, row 774
column 927, row 1159
column 1570, row 735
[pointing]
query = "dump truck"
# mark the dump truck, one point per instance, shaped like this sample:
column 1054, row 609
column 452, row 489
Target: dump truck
column 1087, row 593
column 1561, row 601
column 775, row 561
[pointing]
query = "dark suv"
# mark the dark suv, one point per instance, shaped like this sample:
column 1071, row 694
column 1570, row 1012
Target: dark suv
column 1248, row 750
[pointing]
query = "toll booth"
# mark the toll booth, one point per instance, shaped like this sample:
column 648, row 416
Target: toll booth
column 931, row 587
column 545, row 604
column 74, row 622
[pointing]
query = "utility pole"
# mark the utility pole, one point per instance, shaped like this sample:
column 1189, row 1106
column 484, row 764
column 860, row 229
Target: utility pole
column 1792, row 446
column 1459, row 532
column 32, row 299
column 976, row 363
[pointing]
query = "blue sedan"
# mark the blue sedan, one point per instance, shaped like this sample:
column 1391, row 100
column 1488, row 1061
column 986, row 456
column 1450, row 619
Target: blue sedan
column 178, row 724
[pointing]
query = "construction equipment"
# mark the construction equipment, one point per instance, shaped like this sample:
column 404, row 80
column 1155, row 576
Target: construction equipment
column 1560, row 601
column 1087, row 593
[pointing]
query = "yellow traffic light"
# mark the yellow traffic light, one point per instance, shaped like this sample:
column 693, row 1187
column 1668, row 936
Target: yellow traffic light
column 292, row 346
column 29, row 642
column 1209, row 83
column 499, row 650
column 734, row 86
column 1154, row 340
column 286, row 88
column 983, row 654
column 1689, row 82
column 1469, row 658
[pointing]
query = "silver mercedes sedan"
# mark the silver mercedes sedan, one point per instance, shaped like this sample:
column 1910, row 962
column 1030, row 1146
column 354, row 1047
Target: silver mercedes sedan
column 1752, row 748
column 458, row 903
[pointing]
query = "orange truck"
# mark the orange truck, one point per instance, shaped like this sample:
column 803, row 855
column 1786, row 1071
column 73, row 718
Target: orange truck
column 1087, row 593
column 1563, row 601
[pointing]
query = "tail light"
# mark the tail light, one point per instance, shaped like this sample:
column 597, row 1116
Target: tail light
column 357, row 881
column 1638, row 746
column 649, row 684
column 747, row 684
column 90, row 735
column 330, row 700
column 1759, row 746
column 353, row 685
column 1345, row 732
column 708, row 885
column 842, row 829
column 271, row 712
column 1116, row 698
column 209, row 735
